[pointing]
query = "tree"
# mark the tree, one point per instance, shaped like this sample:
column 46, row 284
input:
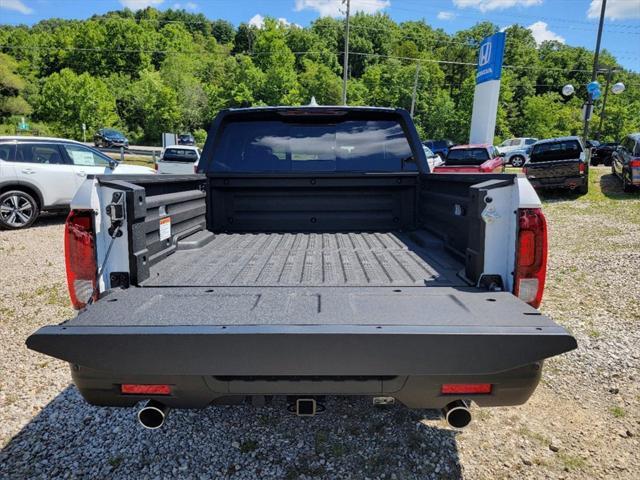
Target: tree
column 150, row 107
column 319, row 81
column 11, row 87
column 276, row 60
column 179, row 73
column 223, row 31
column 68, row 100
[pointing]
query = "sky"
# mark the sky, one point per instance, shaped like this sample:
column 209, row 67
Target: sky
column 574, row 22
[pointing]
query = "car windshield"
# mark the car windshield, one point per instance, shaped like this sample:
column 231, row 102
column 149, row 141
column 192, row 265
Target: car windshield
column 467, row 156
column 113, row 133
column 553, row 151
column 297, row 146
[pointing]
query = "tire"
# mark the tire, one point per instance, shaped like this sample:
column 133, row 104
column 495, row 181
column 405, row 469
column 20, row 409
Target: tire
column 517, row 161
column 626, row 186
column 584, row 188
column 18, row 210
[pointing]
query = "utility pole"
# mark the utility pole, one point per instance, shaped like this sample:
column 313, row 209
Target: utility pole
column 594, row 74
column 604, row 102
column 345, row 63
column 415, row 89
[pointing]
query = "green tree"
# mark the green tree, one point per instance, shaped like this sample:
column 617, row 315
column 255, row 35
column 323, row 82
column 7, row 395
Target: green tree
column 11, row 87
column 150, row 107
column 276, row 60
column 68, row 100
column 319, row 81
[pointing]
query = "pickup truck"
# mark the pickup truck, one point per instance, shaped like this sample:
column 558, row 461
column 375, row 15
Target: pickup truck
column 480, row 158
column 314, row 254
column 559, row 163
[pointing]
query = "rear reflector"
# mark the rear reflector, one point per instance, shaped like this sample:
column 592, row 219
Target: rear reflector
column 80, row 257
column 531, row 262
column 140, row 389
column 465, row 388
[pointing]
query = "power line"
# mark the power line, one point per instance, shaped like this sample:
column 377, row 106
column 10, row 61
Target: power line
column 255, row 54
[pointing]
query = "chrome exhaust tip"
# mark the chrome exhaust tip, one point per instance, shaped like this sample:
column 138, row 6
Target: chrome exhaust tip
column 153, row 415
column 457, row 414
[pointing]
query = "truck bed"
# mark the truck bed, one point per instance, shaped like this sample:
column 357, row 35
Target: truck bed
column 390, row 303
column 311, row 259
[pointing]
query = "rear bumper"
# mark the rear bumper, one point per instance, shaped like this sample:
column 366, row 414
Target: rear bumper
column 513, row 387
column 562, row 182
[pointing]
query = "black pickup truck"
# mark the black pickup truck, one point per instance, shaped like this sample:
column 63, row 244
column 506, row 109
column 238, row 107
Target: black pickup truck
column 313, row 255
column 559, row 163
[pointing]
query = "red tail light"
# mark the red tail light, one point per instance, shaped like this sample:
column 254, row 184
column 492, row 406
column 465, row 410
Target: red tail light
column 581, row 167
column 80, row 257
column 145, row 389
column 155, row 166
column 635, row 163
column 465, row 388
column 531, row 261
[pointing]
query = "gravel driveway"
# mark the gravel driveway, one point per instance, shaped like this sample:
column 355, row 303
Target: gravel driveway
column 582, row 422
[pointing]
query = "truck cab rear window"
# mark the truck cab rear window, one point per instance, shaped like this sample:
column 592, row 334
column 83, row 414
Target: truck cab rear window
column 179, row 155
column 565, row 150
column 279, row 146
column 467, row 156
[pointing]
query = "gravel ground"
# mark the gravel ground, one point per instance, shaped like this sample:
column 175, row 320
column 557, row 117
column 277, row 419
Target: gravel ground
column 582, row 422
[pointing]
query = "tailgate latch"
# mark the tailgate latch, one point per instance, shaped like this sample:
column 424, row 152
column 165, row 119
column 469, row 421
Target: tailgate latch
column 115, row 211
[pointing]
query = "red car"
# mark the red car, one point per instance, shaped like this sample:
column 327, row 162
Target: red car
column 479, row 158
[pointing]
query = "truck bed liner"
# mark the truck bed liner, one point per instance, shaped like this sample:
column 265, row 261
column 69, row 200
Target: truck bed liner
column 311, row 259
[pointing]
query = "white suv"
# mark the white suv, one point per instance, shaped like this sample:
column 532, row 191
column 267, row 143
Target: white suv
column 38, row 173
column 516, row 144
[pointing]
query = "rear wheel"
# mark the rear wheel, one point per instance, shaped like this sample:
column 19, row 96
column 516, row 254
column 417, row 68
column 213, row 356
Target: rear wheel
column 18, row 209
column 626, row 186
column 584, row 188
column 517, row 161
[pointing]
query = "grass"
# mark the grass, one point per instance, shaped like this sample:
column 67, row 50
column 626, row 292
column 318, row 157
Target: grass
column 130, row 159
column 572, row 462
column 618, row 412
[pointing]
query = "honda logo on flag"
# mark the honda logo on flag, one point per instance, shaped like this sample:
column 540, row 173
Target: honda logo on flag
column 485, row 54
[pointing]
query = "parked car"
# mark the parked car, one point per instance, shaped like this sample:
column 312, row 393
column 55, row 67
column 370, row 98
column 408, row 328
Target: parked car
column 307, row 261
column 439, row 147
column 433, row 160
column 512, row 144
column 479, row 158
column 110, row 138
column 178, row 159
column 559, row 163
column 38, row 173
column 625, row 162
column 602, row 153
column 186, row 139
column 517, row 158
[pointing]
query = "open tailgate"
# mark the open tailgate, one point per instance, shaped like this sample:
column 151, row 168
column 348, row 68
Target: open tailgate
column 305, row 331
